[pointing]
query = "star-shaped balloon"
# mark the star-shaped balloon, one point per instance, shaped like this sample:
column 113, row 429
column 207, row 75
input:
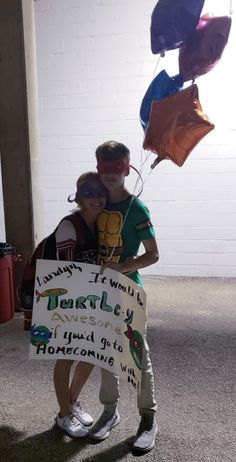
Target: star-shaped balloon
column 161, row 87
column 176, row 125
column 172, row 23
column 205, row 47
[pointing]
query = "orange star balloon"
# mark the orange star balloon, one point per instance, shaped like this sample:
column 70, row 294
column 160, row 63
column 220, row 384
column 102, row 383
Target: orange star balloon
column 176, row 125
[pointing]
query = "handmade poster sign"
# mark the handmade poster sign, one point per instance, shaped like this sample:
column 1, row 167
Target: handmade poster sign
column 82, row 315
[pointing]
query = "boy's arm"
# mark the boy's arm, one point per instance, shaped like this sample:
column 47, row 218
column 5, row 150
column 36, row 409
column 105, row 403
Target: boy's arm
column 149, row 257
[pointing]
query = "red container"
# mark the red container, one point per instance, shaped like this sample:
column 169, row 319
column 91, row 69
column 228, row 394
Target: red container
column 6, row 288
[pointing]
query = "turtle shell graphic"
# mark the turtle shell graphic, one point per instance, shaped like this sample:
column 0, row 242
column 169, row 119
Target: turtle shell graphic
column 109, row 225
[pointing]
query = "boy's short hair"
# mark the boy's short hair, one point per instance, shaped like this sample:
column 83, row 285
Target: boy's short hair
column 112, row 150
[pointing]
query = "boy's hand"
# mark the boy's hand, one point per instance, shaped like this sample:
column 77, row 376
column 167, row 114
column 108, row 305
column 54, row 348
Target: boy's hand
column 120, row 267
column 115, row 266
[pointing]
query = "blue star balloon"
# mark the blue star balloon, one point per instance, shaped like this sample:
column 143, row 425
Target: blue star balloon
column 161, row 87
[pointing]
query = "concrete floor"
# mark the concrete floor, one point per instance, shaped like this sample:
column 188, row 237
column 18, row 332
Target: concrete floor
column 192, row 338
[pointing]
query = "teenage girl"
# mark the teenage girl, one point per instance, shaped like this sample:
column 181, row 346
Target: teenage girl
column 76, row 240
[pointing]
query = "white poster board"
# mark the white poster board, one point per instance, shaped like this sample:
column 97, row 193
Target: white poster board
column 82, row 315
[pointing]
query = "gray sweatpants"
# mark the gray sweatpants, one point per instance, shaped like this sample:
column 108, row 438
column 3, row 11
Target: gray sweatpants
column 109, row 390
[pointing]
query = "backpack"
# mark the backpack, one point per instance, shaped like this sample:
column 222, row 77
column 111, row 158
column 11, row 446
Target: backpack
column 45, row 250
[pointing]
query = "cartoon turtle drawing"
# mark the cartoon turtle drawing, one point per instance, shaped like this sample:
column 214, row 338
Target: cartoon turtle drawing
column 136, row 345
column 40, row 335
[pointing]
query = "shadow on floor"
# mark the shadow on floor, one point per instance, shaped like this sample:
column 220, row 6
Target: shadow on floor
column 53, row 446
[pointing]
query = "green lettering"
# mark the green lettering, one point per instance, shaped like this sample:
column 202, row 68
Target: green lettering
column 130, row 315
column 66, row 304
column 80, row 303
column 117, row 310
column 93, row 299
column 52, row 301
column 103, row 304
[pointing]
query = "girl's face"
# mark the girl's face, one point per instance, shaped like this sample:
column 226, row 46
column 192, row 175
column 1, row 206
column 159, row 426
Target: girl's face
column 92, row 197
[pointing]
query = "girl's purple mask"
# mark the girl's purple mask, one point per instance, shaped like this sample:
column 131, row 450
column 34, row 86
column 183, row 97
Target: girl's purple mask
column 87, row 190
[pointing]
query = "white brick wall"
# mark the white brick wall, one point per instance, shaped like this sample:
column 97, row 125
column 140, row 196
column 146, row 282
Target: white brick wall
column 94, row 66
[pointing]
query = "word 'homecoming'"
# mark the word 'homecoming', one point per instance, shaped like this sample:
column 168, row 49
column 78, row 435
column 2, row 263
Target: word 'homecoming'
column 66, row 351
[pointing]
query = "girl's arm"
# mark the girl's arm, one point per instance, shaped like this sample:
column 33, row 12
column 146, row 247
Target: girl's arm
column 66, row 241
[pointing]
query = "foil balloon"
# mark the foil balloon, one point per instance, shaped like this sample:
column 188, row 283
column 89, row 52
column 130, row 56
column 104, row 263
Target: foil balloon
column 176, row 125
column 204, row 49
column 161, row 87
column 172, row 22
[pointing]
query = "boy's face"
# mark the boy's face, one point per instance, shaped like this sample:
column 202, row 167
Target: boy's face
column 113, row 173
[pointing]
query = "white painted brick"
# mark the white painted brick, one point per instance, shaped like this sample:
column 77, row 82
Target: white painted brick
column 189, row 220
column 53, row 102
column 107, row 101
column 201, row 232
column 42, row 5
column 194, row 259
column 190, row 270
column 57, row 87
column 104, row 42
column 193, row 194
column 76, row 142
column 51, row 40
column 193, row 179
column 48, row 157
column 129, row 84
column 53, row 123
column 48, row 142
column 178, row 208
column 94, row 66
column 50, row 17
column 197, row 246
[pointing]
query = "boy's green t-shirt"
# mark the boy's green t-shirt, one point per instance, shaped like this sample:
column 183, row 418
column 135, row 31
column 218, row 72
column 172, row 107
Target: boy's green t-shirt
column 121, row 228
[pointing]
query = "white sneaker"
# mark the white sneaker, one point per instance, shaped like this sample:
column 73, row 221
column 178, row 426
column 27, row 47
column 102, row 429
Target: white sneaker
column 71, row 426
column 81, row 415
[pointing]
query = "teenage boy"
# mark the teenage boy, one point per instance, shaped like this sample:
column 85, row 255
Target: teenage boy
column 122, row 227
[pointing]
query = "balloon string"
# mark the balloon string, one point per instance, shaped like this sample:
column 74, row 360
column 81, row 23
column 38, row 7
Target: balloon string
column 157, row 64
column 142, row 151
column 139, row 178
